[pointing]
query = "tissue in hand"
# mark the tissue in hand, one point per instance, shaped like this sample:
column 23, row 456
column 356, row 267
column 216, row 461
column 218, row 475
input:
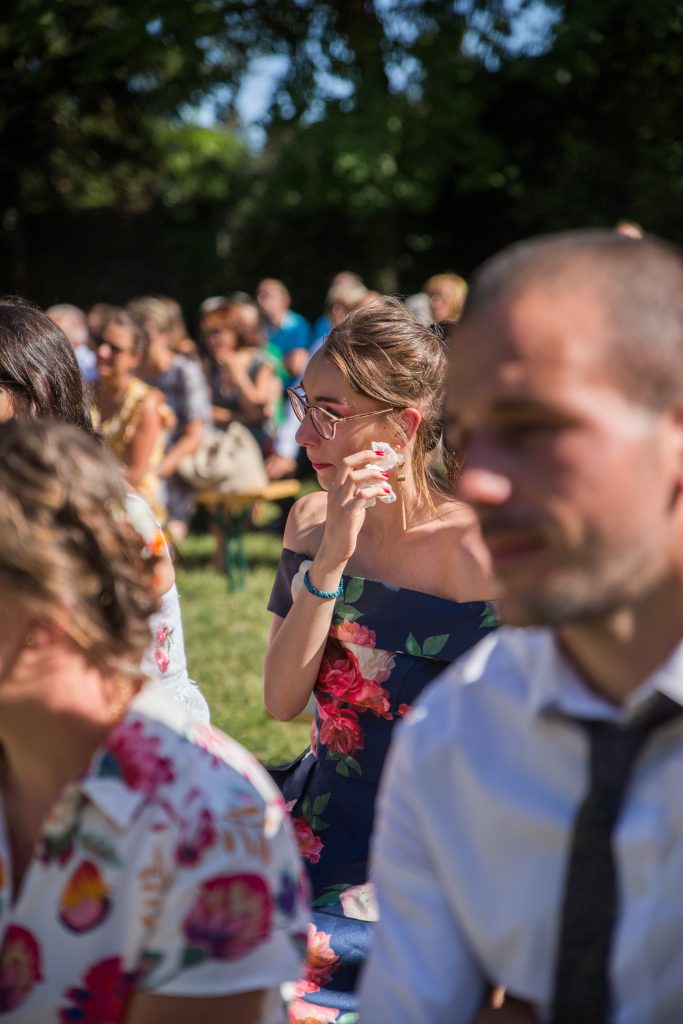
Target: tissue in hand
column 390, row 460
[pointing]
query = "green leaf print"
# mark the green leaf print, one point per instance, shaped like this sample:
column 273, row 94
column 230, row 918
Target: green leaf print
column 331, row 894
column 101, row 849
column 332, row 755
column 434, row 644
column 341, row 769
column 306, row 809
column 328, row 899
column 489, row 617
column 321, row 802
column 347, row 1018
column 348, row 613
column 352, row 763
column 193, row 955
column 353, row 591
column 412, row 646
column 317, row 824
column 151, row 958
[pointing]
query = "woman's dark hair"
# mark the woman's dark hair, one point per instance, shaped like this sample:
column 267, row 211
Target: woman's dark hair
column 131, row 321
column 38, row 367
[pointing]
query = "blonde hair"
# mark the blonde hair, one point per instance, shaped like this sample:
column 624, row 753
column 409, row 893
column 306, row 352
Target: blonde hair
column 387, row 354
column 454, row 289
column 67, row 551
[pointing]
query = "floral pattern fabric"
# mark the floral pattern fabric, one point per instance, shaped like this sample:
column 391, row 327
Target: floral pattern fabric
column 165, row 655
column 120, row 428
column 170, row 867
column 384, row 646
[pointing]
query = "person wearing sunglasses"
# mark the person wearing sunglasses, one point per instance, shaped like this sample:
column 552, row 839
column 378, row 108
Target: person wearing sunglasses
column 373, row 598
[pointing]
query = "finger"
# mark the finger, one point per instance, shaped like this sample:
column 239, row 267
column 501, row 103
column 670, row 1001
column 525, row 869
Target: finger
column 371, row 491
column 359, row 477
column 359, row 459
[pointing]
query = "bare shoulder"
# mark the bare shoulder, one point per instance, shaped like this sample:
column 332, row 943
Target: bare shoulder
column 461, row 548
column 306, row 523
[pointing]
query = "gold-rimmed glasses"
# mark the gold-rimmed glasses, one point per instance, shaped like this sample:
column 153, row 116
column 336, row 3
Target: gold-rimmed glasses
column 324, row 422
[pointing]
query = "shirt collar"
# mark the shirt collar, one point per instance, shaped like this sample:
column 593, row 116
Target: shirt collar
column 119, row 801
column 556, row 686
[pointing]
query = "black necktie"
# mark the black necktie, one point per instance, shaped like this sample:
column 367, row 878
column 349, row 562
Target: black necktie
column 589, row 909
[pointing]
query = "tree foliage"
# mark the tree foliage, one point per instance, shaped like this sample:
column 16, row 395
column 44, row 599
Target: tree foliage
column 402, row 137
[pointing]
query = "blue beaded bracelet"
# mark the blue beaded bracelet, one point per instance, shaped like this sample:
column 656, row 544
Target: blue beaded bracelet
column 327, row 595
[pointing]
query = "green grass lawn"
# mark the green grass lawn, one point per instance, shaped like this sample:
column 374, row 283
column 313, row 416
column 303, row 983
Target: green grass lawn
column 225, row 640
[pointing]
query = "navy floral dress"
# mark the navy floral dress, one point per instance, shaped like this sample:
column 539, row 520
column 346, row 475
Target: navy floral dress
column 385, row 645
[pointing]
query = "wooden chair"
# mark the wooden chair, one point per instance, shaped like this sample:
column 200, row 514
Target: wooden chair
column 232, row 514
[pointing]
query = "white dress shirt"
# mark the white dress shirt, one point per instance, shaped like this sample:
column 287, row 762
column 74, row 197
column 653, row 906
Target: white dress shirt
column 472, row 840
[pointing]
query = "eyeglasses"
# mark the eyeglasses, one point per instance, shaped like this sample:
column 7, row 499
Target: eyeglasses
column 116, row 350
column 325, row 422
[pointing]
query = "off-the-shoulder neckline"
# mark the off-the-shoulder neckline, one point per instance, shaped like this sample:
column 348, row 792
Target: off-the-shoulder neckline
column 394, row 587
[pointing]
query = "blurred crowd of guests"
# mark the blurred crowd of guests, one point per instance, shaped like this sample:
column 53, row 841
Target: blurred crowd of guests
column 157, row 392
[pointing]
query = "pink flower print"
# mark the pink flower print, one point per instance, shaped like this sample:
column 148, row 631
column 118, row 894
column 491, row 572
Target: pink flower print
column 196, row 836
column 321, row 959
column 85, row 899
column 134, row 757
column 162, row 659
column 103, row 996
column 404, row 709
column 308, row 842
column 313, row 736
column 353, row 633
column 163, row 641
column 369, row 696
column 359, row 902
column 20, row 967
column 376, row 664
column 339, row 729
column 163, row 634
column 212, row 741
column 339, row 671
column 231, row 917
column 301, row 1012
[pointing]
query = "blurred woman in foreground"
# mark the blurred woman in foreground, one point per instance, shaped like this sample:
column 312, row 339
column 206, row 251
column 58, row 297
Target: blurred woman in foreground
column 39, row 376
column 147, row 872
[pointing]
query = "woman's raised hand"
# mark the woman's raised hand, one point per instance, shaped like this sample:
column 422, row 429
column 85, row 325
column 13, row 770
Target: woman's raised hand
column 356, row 483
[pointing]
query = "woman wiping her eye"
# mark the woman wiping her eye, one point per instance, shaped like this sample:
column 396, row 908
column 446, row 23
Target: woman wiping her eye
column 372, row 599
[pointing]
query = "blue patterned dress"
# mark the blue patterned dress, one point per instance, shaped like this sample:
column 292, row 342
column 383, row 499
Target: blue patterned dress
column 385, row 645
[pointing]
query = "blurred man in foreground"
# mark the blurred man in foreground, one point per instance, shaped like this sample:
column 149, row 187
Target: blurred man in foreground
column 530, row 831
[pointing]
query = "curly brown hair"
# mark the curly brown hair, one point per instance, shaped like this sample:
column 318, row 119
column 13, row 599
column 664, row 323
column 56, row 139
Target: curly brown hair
column 67, row 551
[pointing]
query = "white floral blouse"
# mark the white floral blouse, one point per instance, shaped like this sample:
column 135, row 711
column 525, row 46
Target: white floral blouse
column 168, row 867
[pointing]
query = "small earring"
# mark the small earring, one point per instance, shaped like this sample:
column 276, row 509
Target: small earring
column 400, row 479
column 401, row 468
column 30, row 640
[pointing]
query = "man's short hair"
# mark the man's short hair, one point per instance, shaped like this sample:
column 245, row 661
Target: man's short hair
column 638, row 282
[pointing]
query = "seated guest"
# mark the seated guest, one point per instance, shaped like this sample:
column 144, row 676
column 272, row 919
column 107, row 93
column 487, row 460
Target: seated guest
column 446, row 294
column 287, row 332
column 529, row 826
column 287, row 458
column 149, row 872
column 323, row 325
column 179, row 339
column 373, row 597
column 40, row 377
column 182, row 384
column 242, row 379
column 132, row 416
column 73, row 322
